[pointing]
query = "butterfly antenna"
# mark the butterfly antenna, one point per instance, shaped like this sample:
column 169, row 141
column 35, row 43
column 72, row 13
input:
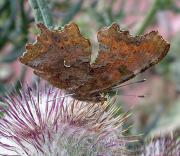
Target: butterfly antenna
column 138, row 96
column 61, row 97
column 128, row 84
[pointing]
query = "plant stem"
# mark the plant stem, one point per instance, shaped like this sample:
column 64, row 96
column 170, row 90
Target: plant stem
column 72, row 12
column 148, row 18
column 41, row 12
column 36, row 11
column 47, row 18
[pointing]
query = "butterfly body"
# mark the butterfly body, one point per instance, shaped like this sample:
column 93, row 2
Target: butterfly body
column 63, row 57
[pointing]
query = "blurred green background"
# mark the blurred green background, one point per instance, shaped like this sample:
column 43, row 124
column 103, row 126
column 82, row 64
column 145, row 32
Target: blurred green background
column 159, row 111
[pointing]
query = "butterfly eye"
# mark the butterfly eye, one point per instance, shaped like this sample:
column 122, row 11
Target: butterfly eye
column 91, row 71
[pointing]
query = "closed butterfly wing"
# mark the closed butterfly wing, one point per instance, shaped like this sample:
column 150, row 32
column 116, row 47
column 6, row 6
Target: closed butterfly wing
column 121, row 57
column 60, row 56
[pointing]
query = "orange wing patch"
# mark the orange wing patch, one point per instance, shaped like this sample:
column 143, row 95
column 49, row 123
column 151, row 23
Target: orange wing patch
column 124, row 56
column 59, row 56
column 62, row 57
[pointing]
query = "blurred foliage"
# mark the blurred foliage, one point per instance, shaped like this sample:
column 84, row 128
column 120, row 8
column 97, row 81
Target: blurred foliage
column 16, row 17
column 172, row 114
column 13, row 33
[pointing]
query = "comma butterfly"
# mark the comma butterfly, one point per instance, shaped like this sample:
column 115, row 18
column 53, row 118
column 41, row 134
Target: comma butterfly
column 63, row 58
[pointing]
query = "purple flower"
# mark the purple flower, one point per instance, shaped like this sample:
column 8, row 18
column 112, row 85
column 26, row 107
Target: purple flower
column 165, row 145
column 43, row 121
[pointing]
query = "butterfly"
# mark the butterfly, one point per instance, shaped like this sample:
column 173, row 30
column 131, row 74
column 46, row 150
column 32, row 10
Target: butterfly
column 63, row 58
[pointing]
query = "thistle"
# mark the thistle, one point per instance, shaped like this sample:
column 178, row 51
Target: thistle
column 43, row 121
column 165, row 145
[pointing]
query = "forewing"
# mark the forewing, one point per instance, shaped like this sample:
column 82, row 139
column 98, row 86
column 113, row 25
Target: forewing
column 60, row 56
column 122, row 56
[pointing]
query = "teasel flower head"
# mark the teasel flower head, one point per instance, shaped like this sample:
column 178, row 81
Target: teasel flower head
column 43, row 121
column 163, row 145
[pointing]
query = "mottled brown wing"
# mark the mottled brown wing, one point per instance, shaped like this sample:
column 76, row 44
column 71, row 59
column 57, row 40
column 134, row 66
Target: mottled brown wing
column 122, row 57
column 60, row 56
column 63, row 59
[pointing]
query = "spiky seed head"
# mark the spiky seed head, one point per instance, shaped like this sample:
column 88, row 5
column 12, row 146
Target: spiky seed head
column 43, row 121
